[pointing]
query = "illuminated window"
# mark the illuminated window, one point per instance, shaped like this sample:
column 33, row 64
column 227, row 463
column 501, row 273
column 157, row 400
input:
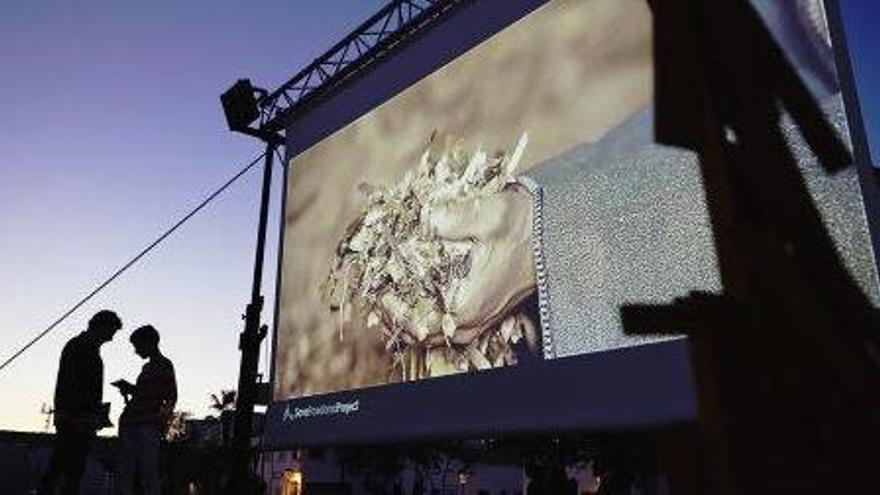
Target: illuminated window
column 291, row 482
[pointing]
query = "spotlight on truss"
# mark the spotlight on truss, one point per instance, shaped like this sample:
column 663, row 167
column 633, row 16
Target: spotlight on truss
column 240, row 104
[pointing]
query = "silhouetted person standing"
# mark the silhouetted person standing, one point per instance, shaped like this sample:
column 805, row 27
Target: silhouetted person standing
column 79, row 411
column 149, row 404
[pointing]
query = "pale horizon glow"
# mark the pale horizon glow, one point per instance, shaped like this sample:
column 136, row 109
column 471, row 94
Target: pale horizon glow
column 111, row 131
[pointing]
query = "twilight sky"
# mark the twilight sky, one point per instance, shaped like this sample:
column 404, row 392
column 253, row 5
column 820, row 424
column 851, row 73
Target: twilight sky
column 110, row 130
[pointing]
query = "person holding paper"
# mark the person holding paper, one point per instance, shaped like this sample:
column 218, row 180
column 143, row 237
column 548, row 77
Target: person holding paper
column 79, row 407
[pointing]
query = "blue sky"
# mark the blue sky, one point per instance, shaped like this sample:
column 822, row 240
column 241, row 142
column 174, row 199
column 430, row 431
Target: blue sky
column 861, row 20
column 110, row 130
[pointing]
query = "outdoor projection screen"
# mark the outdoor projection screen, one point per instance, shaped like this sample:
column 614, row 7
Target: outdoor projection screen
column 464, row 222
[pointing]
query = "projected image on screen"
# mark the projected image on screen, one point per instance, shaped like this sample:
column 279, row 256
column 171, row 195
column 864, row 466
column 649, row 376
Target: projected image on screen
column 416, row 257
column 502, row 209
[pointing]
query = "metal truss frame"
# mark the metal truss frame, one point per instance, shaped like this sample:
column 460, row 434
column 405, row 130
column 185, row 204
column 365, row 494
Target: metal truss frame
column 372, row 41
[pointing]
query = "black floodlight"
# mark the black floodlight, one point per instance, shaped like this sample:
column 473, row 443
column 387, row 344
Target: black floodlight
column 240, row 105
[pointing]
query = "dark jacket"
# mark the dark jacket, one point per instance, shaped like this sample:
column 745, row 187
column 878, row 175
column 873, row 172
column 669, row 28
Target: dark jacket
column 80, row 382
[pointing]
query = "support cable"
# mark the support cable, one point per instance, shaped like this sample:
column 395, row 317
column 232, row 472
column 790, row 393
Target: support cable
column 134, row 260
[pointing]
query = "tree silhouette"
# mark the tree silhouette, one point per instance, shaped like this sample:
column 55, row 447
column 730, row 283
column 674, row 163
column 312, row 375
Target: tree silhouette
column 225, row 401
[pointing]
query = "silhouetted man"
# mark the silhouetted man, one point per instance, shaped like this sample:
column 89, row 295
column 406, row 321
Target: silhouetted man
column 79, row 411
column 148, row 407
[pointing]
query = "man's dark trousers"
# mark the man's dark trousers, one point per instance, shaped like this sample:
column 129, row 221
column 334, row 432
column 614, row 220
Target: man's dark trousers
column 68, row 463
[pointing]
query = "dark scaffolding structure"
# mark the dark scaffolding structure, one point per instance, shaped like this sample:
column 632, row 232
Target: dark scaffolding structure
column 782, row 277
column 372, row 41
column 263, row 114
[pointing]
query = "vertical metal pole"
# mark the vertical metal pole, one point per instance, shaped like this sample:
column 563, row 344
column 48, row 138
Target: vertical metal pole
column 249, row 344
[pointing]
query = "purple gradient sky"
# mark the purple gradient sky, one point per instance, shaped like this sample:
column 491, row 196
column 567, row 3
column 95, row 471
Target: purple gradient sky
column 110, row 130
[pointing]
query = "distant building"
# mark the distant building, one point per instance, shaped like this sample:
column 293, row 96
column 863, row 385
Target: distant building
column 293, row 473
